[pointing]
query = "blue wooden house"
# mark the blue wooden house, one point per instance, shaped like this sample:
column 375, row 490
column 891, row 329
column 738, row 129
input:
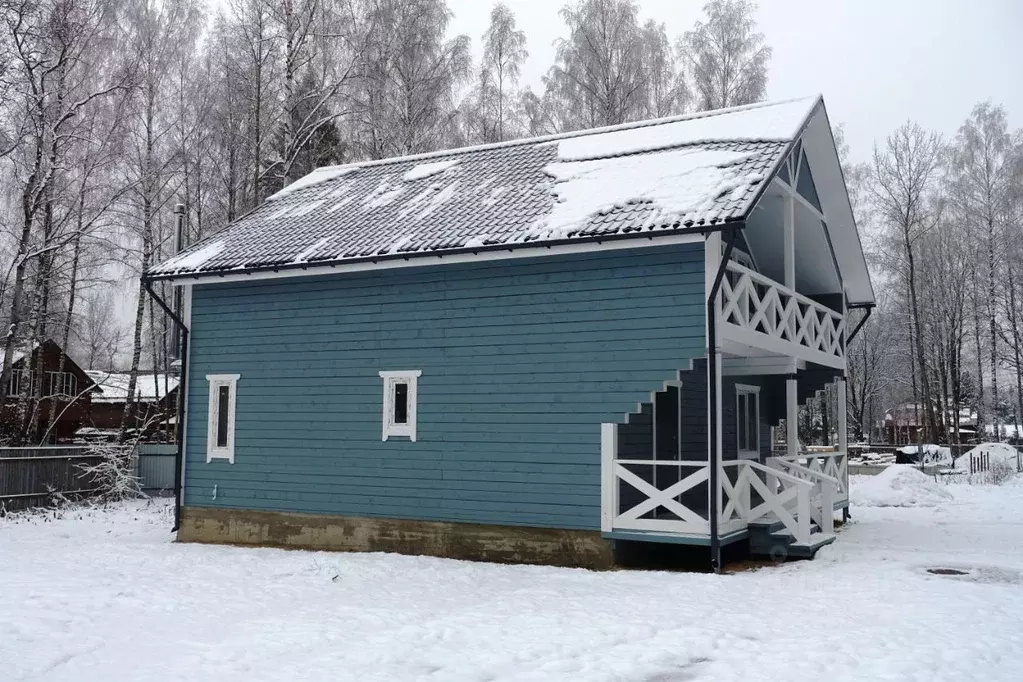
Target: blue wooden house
column 532, row 351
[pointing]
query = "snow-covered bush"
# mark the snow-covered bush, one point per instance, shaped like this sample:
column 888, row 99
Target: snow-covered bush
column 115, row 472
column 1001, row 471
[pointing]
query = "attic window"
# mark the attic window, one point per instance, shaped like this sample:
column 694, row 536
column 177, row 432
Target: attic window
column 399, row 405
column 221, row 411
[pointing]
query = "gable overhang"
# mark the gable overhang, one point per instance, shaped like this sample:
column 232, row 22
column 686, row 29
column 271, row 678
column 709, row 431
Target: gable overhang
column 828, row 252
column 844, row 237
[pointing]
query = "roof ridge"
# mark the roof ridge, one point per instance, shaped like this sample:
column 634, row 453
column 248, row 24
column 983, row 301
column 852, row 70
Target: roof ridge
column 554, row 137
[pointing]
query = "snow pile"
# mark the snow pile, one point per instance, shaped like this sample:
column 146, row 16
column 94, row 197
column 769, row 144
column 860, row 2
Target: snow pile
column 773, row 122
column 996, row 452
column 191, row 260
column 682, row 184
column 316, row 177
column 425, row 170
column 899, row 485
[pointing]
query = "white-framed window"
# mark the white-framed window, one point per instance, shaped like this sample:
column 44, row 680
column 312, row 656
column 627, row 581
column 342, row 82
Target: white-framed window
column 62, row 383
column 400, row 398
column 220, row 425
column 20, row 378
column 747, row 415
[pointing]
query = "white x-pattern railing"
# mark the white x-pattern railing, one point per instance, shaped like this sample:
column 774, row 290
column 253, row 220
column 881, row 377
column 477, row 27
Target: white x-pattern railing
column 757, row 311
column 787, row 491
column 834, row 465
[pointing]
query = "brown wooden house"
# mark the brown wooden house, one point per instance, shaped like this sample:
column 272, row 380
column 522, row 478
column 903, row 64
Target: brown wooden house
column 155, row 400
column 38, row 373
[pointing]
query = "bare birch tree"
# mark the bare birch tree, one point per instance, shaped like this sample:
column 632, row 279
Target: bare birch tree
column 905, row 170
column 727, row 56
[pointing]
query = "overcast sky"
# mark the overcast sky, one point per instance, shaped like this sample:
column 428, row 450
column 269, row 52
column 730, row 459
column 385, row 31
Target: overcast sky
column 877, row 62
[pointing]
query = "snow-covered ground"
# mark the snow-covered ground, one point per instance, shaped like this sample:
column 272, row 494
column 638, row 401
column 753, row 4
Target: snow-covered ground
column 105, row 595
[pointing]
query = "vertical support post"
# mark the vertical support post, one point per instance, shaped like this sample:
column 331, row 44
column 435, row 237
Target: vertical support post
column 803, row 514
column 791, row 416
column 843, row 443
column 718, row 434
column 608, row 480
column 827, row 508
column 843, row 431
column 789, row 241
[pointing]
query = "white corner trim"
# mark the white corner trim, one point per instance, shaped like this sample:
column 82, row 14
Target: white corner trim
column 390, row 427
column 213, row 449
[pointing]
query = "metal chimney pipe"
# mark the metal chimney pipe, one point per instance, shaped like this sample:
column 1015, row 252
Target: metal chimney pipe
column 179, row 244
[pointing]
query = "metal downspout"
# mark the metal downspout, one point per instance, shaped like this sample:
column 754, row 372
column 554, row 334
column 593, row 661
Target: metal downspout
column 859, row 326
column 715, row 455
column 181, row 399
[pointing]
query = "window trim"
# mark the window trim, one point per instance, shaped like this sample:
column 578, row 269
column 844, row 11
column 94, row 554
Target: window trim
column 389, row 429
column 57, row 382
column 216, row 381
column 17, row 377
column 747, row 390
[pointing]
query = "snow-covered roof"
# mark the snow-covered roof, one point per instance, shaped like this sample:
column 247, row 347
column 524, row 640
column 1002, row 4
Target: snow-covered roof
column 114, row 386
column 668, row 175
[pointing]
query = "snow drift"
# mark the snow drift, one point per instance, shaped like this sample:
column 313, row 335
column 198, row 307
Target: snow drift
column 899, row 485
column 997, row 452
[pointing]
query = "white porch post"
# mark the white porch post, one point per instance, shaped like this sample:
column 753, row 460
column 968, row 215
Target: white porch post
column 791, row 416
column 843, row 431
column 608, row 480
column 789, row 242
column 712, row 262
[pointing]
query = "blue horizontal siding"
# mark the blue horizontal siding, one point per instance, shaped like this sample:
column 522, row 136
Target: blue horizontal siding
column 521, row 361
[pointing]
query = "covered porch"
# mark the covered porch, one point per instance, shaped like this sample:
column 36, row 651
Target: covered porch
column 776, row 348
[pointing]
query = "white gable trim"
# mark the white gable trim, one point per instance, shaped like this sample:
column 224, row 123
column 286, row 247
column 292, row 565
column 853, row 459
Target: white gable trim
column 418, row 260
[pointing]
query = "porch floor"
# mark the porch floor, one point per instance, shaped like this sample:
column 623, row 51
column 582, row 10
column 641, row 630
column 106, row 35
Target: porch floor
column 674, row 538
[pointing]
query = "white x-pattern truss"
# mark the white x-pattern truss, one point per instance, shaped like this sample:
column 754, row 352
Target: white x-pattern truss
column 759, row 312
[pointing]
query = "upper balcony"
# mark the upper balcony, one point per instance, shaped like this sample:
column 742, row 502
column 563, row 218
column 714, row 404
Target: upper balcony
column 760, row 313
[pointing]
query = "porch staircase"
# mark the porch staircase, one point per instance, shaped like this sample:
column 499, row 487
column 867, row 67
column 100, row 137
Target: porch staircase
column 769, row 538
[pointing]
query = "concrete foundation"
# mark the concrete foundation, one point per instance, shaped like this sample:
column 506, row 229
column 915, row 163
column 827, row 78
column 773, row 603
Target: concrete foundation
column 505, row 544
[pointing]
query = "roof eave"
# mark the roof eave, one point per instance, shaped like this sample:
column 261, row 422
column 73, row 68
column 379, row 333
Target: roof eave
column 481, row 251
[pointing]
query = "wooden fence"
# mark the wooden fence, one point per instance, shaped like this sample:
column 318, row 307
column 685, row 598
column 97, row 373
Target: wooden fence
column 29, row 476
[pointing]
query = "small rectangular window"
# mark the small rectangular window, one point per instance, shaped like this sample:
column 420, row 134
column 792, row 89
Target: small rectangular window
column 400, row 403
column 747, row 416
column 224, row 398
column 220, row 423
column 399, row 408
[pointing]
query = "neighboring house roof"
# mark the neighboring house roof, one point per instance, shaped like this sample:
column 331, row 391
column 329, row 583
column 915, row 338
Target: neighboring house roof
column 148, row 388
column 21, row 353
column 666, row 176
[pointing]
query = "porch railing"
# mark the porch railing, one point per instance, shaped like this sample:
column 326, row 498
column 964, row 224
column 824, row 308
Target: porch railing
column 791, row 492
column 834, row 465
column 760, row 312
